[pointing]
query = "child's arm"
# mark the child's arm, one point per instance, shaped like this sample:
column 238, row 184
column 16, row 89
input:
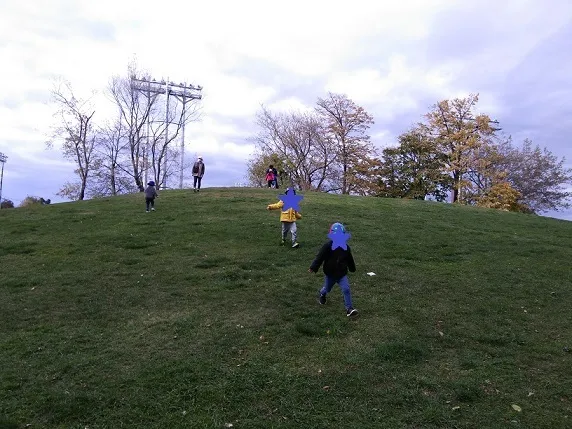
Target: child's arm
column 298, row 215
column 351, row 263
column 276, row 206
column 315, row 266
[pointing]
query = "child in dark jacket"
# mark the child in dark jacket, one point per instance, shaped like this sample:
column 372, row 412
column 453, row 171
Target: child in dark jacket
column 150, row 195
column 275, row 172
column 336, row 262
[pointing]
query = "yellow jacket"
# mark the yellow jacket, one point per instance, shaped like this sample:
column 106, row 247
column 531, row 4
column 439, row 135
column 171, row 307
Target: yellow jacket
column 289, row 215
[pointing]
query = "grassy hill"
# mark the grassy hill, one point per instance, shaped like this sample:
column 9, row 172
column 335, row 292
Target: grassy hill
column 192, row 316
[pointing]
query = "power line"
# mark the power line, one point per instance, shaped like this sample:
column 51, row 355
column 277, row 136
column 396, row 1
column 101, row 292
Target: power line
column 183, row 93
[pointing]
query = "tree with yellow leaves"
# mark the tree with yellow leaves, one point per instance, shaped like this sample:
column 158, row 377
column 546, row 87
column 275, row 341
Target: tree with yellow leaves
column 346, row 124
column 458, row 132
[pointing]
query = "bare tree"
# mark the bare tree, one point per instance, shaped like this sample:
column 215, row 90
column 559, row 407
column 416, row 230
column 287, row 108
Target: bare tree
column 542, row 180
column 151, row 125
column 135, row 110
column 297, row 140
column 75, row 130
column 112, row 174
column 346, row 124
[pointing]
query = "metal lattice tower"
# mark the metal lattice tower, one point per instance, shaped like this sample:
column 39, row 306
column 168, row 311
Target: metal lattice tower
column 183, row 93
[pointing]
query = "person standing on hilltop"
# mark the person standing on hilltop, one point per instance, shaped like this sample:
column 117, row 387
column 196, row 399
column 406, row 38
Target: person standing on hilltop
column 198, row 173
column 270, row 176
column 275, row 172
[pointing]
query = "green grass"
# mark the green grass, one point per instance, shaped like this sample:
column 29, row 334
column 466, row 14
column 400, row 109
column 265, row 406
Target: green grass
column 194, row 317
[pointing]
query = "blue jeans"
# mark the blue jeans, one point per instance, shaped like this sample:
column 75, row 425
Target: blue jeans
column 344, row 283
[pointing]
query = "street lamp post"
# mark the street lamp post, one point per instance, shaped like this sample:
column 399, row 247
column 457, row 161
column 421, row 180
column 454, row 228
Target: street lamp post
column 3, row 159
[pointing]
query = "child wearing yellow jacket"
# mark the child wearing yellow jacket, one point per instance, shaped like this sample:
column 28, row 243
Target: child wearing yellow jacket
column 288, row 219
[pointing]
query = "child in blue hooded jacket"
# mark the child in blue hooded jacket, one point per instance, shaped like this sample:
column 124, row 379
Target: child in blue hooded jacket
column 336, row 262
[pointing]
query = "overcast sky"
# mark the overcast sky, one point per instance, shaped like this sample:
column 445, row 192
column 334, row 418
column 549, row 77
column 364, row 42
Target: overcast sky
column 395, row 58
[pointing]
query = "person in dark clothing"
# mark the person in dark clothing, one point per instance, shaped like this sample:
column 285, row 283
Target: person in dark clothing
column 198, row 173
column 150, row 195
column 275, row 172
column 336, row 262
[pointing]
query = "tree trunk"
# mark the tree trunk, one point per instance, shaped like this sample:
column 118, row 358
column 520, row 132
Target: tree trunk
column 113, row 184
column 345, row 180
column 457, row 181
column 83, row 186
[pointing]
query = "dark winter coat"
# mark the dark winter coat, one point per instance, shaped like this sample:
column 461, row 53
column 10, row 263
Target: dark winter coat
column 336, row 262
column 150, row 192
column 199, row 169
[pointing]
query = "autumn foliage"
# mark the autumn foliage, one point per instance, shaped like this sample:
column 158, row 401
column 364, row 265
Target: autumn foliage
column 455, row 154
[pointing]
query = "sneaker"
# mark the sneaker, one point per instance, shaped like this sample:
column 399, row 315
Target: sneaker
column 351, row 312
column 295, row 245
column 146, row 211
column 153, row 209
column 321, row 298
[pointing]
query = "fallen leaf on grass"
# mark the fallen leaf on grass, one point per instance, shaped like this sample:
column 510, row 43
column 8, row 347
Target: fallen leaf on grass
column 516, row 408
column 456, row 407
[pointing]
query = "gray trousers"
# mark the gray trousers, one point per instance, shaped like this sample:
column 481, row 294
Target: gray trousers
column 289, row 226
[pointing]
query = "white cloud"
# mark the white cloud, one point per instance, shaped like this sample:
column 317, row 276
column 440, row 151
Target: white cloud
column 375, row 52
column 211, row 147
column 234, row 97
column 289, row 104
column 209, row 126
column 392, row 88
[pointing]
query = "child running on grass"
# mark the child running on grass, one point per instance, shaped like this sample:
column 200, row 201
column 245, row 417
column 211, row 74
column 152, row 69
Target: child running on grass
column 337, row 261
column 150, row 195
column 288, row 220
